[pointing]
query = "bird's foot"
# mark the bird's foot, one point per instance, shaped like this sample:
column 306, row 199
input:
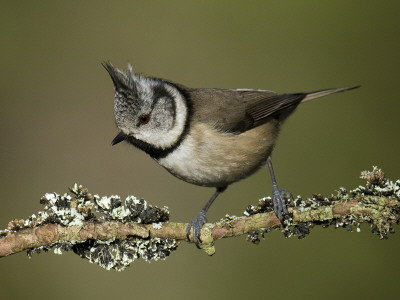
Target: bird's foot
column 278, row 199
column 197, row 223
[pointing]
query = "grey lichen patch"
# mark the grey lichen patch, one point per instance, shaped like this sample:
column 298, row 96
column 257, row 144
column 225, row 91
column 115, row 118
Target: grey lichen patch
column 376, row 203
column 64, row 210
column 228, row 221
column 80, row 208
column 264, row 205
column 135, row 210
column 120, row 254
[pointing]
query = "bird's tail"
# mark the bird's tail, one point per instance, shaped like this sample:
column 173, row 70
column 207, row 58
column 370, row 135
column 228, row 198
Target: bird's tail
column 326, row 92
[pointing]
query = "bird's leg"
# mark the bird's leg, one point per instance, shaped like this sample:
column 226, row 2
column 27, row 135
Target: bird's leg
column 277, row 194
column 201, row 219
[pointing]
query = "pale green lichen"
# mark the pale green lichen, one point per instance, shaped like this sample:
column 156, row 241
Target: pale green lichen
column 207, row 242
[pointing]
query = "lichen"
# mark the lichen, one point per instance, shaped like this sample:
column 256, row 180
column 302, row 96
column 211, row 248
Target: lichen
column 120, row 254
column 377, row 204
column 110, row 232
column 81, row 206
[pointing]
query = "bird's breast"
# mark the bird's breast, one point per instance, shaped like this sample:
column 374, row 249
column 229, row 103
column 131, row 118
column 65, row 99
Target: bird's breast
column 208, row 157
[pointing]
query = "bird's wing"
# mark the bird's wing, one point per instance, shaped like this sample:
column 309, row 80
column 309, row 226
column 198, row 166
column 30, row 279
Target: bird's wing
column 237, row 111
column 240, row 110
column 261, row 105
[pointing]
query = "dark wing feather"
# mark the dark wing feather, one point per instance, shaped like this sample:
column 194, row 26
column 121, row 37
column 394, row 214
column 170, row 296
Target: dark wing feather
column 262, row 105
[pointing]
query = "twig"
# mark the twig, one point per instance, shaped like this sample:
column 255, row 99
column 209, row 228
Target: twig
column 123, row 234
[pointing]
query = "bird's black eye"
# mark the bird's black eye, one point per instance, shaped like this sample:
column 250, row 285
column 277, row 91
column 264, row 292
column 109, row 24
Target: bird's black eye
column 144, row 119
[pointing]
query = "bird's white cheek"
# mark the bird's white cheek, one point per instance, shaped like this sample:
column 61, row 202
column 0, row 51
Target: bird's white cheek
column 161, row 137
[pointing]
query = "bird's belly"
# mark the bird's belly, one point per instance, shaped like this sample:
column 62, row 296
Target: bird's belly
column 210, row 158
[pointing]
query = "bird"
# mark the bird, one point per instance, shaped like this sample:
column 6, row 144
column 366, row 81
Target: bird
column 209, row 137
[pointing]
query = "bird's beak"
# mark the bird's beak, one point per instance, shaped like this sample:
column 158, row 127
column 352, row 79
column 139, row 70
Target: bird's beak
column 119, row 138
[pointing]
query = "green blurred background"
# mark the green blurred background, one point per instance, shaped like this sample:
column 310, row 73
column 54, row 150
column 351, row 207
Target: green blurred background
column 57, row 124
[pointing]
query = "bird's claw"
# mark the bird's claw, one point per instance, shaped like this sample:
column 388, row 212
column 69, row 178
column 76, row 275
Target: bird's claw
column 279, row 201
column 197, row 223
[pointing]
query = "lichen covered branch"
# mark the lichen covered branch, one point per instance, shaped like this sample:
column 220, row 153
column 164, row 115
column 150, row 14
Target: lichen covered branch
column 106, row 232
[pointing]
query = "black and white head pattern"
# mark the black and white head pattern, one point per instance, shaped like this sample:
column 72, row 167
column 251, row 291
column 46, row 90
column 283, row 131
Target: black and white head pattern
column 151, row 113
